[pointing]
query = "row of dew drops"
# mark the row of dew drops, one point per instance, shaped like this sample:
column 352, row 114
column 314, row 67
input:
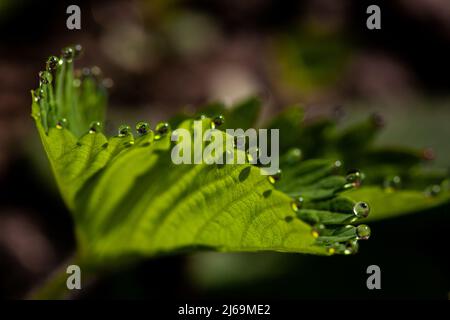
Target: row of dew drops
column 360, row 210
column 72, row 53
column 142, row 129
column 53, row 62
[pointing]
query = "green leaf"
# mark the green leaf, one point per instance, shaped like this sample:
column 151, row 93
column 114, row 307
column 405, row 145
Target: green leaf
column 130, row 200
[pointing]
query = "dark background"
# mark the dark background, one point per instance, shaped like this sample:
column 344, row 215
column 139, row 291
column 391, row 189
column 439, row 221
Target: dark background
column 165, row 56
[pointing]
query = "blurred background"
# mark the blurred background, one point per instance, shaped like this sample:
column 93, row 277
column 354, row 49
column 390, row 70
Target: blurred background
column 165, row 56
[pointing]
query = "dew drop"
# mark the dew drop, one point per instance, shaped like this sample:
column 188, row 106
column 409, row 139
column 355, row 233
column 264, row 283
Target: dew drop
column 362, row 232
column 62, row 123
column 297, row 204
column 288, row 218
column 361, row 209
column 217, row 121
column 95, row 127
column 68, row 54
column 45, row 77
column 332, row 249
column 274, row 178
column 142, row 128
column 52, row 63
column 351, row 247
column 161, row 130
column 124, row 130
column 39, row 95
column 354, row 178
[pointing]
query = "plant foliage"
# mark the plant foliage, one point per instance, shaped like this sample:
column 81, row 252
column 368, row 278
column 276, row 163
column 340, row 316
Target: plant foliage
column 130, row 201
